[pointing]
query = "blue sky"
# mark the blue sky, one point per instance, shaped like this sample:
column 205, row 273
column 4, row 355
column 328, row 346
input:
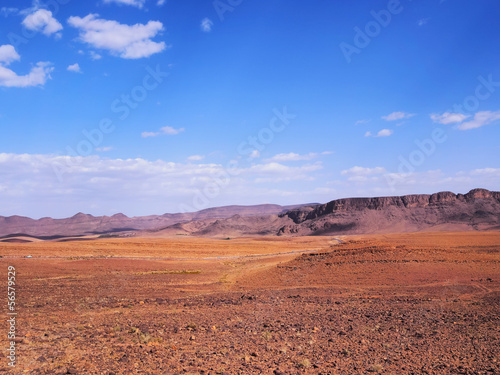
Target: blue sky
column 146, row 106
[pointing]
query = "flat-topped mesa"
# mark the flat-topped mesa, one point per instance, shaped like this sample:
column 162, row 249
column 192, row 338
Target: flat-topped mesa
column 378, row 203
column 482, row 194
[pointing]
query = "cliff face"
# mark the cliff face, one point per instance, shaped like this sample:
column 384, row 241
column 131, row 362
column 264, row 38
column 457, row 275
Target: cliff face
column 478, row 209
column 300, row 215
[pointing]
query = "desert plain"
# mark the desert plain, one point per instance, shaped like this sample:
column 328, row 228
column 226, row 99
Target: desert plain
column 414, row 303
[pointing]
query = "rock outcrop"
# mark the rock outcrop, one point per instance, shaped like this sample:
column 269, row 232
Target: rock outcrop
column 478, row 209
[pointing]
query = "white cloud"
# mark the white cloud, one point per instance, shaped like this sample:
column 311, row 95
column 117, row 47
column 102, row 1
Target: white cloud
column 292, row 156
column 30, row 185
column 480, row 119
column 360, row 122
column 196, row 157
column 381, row 133
column 135, row 185
column 149, row 134
column 433, row 181
column 362, row 171
column 94, row 55
column 136, row 3
column 276, row 172
column 74, row 68
column 397, row 116
column 42, row 21
column 8, row 54
column 384, row 133
column 166, row 130
column 487, row 171
column 206, row 25
column 422, row 21
column 160, row 2
column 254, row 154
column 37, row 76
column 448, row 118
column 128, row 42
column 171, row 131
column 104, row 149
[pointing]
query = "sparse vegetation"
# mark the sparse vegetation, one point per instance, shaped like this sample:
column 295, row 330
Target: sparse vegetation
column 170, row 272
column 375, row 368
column 346, row 352
column 304, row 363
column 266, row 335
column 133, row 330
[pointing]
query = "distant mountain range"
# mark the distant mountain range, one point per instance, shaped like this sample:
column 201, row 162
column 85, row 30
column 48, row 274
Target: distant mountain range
column 85, row 224
column 477, row 210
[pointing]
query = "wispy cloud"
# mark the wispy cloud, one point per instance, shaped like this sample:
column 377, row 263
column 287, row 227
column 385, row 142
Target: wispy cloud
column 196, row 157
column 480, row 119
column 43, row 21
column 381, row 133
column 171, row 131
column 206, row 25
column 37, row 76
column 254, row 154
column 74, row 68
column 276, row 172
column 362, row 174
column 114, row 182
column 149, row 134
column 104, row 149
column 360, row 122
column 128, row 42
column 166, row 130
column 362, row 171
column 135, row 3
column 448, row 118
column 422, row 21
column 397, row 116
column 94, row 55
column 7, row 11
column 493, row 172
column 292, row 156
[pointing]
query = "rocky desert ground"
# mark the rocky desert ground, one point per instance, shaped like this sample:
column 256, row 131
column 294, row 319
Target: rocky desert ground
column 419, row 303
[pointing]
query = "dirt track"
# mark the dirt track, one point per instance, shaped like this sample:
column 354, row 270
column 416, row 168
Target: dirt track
column 400, row 304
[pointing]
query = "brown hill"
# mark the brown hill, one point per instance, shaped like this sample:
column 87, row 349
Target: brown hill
column 84, row 224
column 445, row 211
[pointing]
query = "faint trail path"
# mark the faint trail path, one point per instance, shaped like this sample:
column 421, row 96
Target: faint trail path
column 338, row 240
column 298, row 252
